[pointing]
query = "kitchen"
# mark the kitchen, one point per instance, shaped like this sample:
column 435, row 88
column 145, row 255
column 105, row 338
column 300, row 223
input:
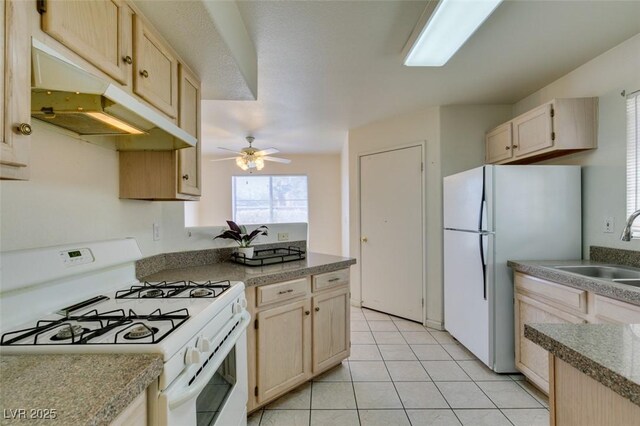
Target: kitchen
column 73, row 193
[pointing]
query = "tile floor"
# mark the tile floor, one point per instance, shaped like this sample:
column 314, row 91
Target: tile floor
column 401, row 373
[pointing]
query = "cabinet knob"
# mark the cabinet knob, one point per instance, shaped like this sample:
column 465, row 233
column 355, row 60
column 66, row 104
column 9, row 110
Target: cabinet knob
column 515, row 146
column 185, row 177
column 507, row 148
column 144, row 73
column 127, row 59
column 307, row 312
column 317, row 308
column 24, row 128
column 365, row 239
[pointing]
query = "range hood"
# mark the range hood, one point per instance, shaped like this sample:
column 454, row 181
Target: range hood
column 65, row 95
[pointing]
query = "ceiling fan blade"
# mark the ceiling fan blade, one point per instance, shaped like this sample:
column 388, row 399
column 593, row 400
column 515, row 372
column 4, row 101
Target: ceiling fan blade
column 222, row 159
column 277, row 160
column 267, row 151
column 230, row 150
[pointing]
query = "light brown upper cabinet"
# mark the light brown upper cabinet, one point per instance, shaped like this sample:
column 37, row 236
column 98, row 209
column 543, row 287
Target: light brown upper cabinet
column 97, row 30
column 15, row 111
column 498, row 144
column 156, row 69
column 189, row 120
column 559, row 127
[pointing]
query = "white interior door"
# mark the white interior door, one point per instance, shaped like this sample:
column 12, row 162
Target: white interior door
column 392, row 234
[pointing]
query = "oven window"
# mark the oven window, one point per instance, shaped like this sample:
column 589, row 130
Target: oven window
column 213, row 396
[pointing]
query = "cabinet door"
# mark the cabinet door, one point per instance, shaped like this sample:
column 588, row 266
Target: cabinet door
column 330, row 328
column 533, row 131
column 498, row 144
column 15, row 121
column 189, row 120
column 531, row 359
column 156, row 69
column 284, row 348
column 97, row 30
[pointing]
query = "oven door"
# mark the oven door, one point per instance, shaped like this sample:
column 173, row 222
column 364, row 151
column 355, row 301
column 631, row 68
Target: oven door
column 216, row 392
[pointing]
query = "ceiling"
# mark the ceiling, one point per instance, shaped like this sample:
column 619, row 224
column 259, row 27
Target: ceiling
column 325, row 67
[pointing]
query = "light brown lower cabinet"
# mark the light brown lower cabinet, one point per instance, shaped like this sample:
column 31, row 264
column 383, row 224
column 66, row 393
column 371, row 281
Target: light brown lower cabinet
column 135, row 414
column 284, row 348
column 541, row 301
column 576, row 399
column 331, row 335
column 297, row 334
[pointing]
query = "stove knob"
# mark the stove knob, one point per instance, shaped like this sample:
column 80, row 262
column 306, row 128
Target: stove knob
column 192, row 356
column 237, row 309
column 203, row 345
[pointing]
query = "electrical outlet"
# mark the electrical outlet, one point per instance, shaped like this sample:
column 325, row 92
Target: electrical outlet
column 608, row 225
column 283, row 236
column 156, row 232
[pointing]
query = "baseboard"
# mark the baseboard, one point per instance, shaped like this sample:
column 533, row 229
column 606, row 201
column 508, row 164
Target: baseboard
column 435, row 324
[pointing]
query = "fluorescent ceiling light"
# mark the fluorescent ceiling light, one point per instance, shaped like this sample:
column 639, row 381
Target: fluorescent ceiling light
column 448, row 28
column 114, row 122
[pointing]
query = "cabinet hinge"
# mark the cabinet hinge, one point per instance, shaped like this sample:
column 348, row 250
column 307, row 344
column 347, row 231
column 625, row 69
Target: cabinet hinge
column 41, row 5
column 553, row 112
column 553, row 136
column 422, row 167
column 255, row 391
column 255, row 326
column 423, row 302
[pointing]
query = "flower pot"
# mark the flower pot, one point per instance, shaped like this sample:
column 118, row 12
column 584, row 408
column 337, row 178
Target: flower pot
column 246, row 252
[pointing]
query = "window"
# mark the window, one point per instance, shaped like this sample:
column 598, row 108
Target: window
column 269, row 199
column 633, row 157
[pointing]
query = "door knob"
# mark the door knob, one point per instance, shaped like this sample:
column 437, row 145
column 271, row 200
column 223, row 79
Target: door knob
column 24, row 128
column 365, row 239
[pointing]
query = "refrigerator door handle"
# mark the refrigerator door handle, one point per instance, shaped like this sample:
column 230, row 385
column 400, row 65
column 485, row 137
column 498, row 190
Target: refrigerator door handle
column 482, row 201
column 484, row 265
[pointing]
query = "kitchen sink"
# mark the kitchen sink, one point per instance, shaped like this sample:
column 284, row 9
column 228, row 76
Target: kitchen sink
column 605, row 272
column 629, row 281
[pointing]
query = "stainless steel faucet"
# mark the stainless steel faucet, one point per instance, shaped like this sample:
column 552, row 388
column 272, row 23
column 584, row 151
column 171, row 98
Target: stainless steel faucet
column 626, row 232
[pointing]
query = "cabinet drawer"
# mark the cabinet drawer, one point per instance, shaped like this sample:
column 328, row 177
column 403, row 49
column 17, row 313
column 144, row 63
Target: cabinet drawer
column 615, row 311
column 282, row 291
column 330, row 279
column 558, row 293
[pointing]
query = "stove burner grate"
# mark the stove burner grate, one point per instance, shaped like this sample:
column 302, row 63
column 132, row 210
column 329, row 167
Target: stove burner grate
column 134, row 329
column 177, row 289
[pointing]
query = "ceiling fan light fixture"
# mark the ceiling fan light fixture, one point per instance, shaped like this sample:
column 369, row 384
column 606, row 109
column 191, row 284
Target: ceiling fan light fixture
column 447, row 28
column 240, row 162
column 259, row 163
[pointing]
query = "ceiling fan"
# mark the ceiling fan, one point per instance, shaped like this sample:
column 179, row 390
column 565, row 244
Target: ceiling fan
column 253, row 158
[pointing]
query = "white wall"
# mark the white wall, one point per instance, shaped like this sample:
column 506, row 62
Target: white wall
column 323, row 172
column 72, row 196
column 603, row 171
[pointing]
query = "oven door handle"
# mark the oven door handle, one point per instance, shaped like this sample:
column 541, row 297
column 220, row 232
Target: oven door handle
column 193, row 390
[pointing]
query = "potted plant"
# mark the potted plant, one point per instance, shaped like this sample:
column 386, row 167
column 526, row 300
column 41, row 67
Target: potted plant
column 238, row 233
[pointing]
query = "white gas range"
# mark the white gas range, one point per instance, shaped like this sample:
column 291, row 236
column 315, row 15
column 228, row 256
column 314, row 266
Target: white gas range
column 85, row 299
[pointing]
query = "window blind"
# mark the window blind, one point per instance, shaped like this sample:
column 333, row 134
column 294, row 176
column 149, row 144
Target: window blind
column 633, row 157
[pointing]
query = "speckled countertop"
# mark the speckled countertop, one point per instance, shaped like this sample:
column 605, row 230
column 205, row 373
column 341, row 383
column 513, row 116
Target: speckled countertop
column 82, row 389
column 608, row 353
column 315, row 263
column 544, row 269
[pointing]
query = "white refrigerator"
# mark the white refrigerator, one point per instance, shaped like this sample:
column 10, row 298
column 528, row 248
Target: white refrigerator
column 493, row 214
